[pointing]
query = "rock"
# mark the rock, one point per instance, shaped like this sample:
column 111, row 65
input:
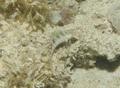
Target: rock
column 114, row 16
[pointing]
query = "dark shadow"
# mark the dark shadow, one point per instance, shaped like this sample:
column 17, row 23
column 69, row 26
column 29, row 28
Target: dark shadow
column 104, row 64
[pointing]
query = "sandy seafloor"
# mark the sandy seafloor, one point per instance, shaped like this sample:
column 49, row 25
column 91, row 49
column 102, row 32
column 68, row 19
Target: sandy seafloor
column 92, row 14
column 95, row 78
